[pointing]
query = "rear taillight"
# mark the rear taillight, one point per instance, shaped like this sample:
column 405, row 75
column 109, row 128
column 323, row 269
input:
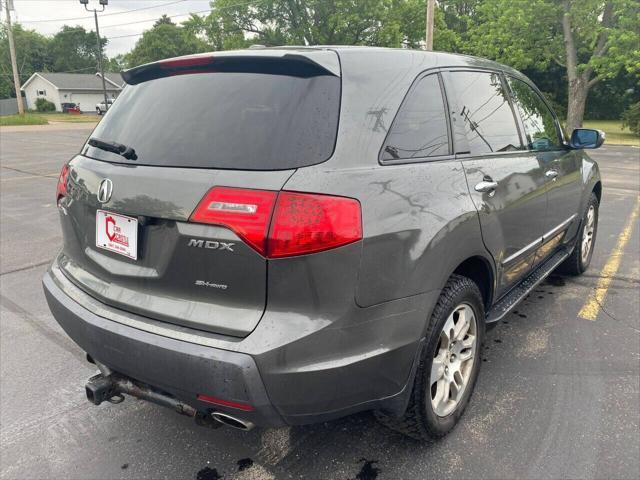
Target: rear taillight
column 61, row 190
column 282, row 224
column 307, row 223
column 246, row 212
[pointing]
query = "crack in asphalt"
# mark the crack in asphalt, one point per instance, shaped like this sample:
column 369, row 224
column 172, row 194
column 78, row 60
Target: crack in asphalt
column 26, row 267
column 611, row 316
column 47, row 332
column 26, row 172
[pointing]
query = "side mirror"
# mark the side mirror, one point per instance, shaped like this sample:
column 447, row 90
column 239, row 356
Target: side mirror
column 586, row 138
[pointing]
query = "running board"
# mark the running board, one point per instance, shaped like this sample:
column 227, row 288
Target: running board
column 511, row 299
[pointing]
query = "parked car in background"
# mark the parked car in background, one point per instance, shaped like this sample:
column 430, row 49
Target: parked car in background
column 101, row 108
column 286, row 236
column 70, row 107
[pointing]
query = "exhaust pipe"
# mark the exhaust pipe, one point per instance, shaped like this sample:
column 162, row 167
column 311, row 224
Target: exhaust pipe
column 109, row 388
column 232, row 421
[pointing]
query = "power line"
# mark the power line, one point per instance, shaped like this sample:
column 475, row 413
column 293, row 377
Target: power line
column 209, row 10
column 104, row 14
column 125, row 36
column 67, row 71
column 156, row 19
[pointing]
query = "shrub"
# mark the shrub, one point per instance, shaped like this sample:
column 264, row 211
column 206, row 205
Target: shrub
column 44, row 105
column 631, row 118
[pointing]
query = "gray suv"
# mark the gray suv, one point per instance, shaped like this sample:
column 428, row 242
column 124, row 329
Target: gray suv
column 284, row 236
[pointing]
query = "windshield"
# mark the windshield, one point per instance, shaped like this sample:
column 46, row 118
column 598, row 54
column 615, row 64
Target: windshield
column 228, row 120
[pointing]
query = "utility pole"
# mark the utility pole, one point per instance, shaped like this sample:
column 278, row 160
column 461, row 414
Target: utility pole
column 14, row 63
column 99, row 44
column 431, row 7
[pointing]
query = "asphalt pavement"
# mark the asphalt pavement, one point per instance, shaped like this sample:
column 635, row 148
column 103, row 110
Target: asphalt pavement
column 558, row 395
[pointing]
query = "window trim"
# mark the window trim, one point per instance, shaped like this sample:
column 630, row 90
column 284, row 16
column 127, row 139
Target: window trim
column 556, row 122
column 447, row 114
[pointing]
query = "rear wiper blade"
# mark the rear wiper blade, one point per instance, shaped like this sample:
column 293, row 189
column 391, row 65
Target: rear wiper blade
column 114, row 147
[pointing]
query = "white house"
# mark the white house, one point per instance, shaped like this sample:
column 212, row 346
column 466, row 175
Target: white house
column 84, row 89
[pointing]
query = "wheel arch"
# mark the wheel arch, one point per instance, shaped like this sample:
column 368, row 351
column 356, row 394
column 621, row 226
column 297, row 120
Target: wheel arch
column 479, row 269
column 597, row 190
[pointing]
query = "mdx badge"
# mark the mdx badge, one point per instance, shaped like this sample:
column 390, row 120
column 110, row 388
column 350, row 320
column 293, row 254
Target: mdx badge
column 211, row 244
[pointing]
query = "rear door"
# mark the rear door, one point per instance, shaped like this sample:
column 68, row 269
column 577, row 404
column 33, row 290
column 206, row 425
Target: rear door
column 561, row 165
column 130, row 235
column 506, row 184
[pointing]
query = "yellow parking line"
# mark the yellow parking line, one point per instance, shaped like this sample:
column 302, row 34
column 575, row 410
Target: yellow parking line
column 591, row 308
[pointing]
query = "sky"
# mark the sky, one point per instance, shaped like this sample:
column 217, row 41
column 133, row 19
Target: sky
column 45, row 16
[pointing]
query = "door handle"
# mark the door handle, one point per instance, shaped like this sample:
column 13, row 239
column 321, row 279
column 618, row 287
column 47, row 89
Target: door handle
column 486, row 186
column 551, row 174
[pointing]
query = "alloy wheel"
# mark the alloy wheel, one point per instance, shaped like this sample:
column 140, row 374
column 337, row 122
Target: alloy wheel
column 453, row 360
column 587, row 234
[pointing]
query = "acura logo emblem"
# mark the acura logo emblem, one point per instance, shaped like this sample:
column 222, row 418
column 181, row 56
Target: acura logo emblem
column 105, row 190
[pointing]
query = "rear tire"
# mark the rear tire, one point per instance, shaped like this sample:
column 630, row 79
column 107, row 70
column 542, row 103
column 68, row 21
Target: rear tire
column 98, row 111
column 579, row 260
column 449, row 364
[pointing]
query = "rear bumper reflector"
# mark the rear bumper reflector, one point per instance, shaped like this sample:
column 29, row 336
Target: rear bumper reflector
column 245, row 407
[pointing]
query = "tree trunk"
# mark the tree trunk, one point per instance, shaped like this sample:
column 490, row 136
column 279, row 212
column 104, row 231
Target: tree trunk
column 578, row 91
column 579, row 83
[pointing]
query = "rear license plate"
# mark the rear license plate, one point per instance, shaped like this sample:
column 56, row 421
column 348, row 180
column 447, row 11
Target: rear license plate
column 117, row 233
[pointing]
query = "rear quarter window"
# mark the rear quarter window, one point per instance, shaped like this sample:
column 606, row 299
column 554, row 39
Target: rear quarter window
column 420, row 128
column 226, row 120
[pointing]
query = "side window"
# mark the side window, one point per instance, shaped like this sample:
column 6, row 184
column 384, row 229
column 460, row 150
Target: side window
column 485, row 112
column 539, row 123
column 420, row 127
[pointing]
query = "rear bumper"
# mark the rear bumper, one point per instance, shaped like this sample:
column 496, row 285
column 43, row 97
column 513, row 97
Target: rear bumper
column 179, row 368
column 292, row 370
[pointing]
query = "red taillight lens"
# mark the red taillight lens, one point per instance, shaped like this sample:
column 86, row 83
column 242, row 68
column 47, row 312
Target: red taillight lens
column 246, row 212
column 307, row 223
column 302, row 222
column 61, row 190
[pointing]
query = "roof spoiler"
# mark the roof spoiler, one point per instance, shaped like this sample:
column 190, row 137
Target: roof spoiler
column 295, row 65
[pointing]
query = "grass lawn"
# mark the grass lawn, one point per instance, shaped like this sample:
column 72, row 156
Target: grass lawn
column 67, row 117
column 45, row 118
column 26, row 119
column 615, row 135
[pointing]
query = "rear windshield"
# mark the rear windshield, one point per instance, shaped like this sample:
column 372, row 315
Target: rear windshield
column 227, row 120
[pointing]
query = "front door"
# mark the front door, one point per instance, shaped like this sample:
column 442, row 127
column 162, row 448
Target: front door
column 561, row 165
column 506, row 183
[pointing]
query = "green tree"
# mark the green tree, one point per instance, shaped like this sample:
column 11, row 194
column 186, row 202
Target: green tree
column 164, row 40
column 163, row 20
column 631, row 118
column 385, row 23
column 592, row 40
column 610, row 98
column 31, row 56
column 75, row 49
column 391, row 23
column 458, row 16
column 116, row 63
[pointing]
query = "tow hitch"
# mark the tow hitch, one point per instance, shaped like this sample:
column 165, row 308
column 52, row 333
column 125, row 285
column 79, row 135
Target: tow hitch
column 110, row 386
